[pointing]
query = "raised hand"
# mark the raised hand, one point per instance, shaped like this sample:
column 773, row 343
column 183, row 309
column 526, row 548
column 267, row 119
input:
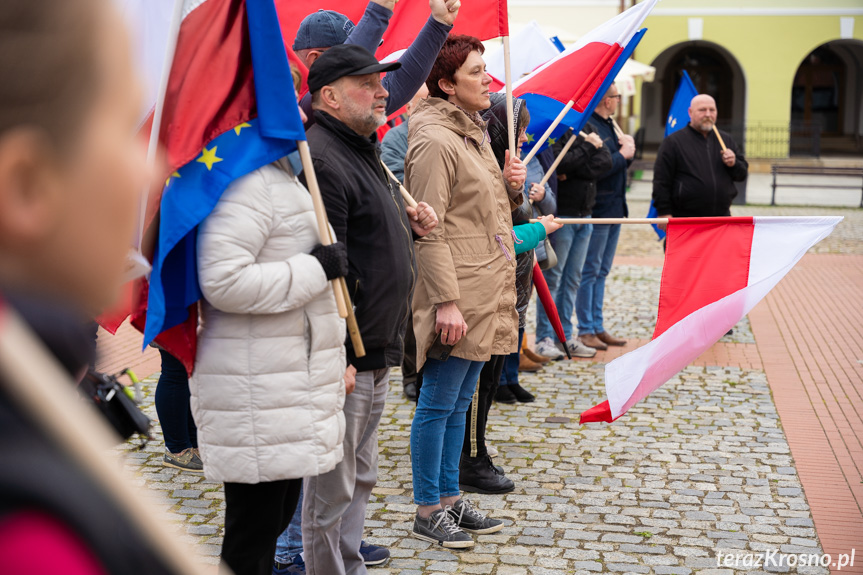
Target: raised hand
column 445, row 11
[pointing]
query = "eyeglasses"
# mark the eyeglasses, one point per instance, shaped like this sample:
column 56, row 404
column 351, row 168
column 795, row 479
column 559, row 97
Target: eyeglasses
column 615, row 96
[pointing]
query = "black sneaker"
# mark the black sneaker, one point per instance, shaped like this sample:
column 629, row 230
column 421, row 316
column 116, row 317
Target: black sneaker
column 521, row 394
column 504, row 395
column 440, row 528
column 471, row 520
column 374, row 554
column 410, row 390
column 479, row 475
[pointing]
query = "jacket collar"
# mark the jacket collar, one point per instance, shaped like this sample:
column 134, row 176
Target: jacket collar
column 344, row 133
column 696, row 132
column 441, row 112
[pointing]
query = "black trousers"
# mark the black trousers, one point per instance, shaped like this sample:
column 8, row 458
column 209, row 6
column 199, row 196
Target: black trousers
column 255, row 515
column 409, row 362
column 477, row 412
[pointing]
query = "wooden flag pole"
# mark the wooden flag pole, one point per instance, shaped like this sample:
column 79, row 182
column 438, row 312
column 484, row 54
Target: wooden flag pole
column 510, row 114
column 409, row 200
column 548, row 132
column 40, row 388
column 617, row 130
column 559, row 158
column 721, row 142
column 608, row 220
column 340, row 288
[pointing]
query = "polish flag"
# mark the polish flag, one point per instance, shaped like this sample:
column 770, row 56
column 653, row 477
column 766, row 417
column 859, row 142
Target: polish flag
column 716, row 270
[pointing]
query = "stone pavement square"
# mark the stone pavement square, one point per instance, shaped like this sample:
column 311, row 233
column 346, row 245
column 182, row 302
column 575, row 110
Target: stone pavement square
column 702, row 468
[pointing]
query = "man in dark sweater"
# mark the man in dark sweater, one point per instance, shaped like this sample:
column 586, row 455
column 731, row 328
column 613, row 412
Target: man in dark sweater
column 693, row 176
column 610, row 203
column 366, row 211
column 576, row 173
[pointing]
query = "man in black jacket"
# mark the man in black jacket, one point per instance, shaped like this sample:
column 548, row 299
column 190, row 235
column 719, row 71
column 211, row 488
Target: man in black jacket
column 576, row 193
column 366, row 211
column 692, row 175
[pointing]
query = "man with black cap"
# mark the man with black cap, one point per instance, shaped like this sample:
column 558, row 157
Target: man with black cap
column 366, row 211
column 324, row 29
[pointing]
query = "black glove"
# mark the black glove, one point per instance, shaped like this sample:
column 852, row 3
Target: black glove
column 333, row 258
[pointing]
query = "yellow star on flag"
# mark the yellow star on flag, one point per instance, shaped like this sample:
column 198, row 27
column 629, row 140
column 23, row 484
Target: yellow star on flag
column 530, row 138
column 673, row 122
column 552, row 141
column 174, row 175
column 208, row 157
column 241, row 126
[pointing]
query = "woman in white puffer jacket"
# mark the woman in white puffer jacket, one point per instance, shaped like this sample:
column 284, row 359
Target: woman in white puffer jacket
column 268, row 387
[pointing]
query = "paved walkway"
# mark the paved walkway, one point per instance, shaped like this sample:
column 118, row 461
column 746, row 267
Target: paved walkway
column 756, row 447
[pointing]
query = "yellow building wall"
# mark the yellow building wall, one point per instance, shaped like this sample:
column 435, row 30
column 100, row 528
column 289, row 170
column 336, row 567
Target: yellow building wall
column 769, row 49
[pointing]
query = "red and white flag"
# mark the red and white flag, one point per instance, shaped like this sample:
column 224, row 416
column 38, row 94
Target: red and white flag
column 716, row 270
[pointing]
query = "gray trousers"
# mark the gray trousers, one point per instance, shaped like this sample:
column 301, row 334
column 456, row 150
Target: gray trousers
column 334, row 504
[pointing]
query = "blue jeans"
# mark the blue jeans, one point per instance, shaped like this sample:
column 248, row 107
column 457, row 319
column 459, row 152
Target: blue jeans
column 290, row 542
column 600, row 256
column 510, row 364
column 570, row 244
column 437, row 433
column 172, row 405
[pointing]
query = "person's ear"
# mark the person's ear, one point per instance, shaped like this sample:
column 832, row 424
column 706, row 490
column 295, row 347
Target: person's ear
column 311, row 56
column 447, row 86
column 330, row 97
column 28, row 201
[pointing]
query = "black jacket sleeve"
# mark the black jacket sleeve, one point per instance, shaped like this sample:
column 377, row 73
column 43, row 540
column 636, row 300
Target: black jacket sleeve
column 741, row 167
column 664, row 171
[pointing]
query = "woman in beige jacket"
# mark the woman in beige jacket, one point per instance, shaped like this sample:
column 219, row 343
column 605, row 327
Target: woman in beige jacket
column 464, row 300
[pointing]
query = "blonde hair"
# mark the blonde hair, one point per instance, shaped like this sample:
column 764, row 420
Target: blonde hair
column 48, row 63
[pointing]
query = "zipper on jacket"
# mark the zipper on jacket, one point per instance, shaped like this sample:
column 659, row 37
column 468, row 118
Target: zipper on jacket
column 389, row 184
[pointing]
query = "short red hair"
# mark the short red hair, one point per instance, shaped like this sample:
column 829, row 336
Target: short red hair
column 455, row 51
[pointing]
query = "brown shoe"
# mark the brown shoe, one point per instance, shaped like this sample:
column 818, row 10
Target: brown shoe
column 533, row 356
column 525, row 364
column 609, row 339
column 590, row 340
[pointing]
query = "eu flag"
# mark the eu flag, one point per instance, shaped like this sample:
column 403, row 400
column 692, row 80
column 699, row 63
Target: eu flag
column 678, row 117
column 192, row 191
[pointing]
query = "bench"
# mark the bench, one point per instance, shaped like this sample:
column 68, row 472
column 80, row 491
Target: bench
column 783, row 170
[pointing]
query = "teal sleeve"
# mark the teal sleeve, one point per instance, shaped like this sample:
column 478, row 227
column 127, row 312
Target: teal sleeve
column 528, row 236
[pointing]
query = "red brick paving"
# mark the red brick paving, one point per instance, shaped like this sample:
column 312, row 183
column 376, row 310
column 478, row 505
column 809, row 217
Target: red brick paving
column 117, row 352
column 809, row 331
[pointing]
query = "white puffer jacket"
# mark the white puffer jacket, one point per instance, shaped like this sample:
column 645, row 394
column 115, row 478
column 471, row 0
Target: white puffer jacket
column 268, row 389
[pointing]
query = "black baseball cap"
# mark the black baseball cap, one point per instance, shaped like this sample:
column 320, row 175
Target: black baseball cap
column 345, row 60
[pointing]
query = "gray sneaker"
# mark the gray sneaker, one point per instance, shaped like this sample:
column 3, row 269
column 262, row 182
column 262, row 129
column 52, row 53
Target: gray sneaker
column 186, row 460
column 578, row 349
column 546, row 347
column 440, row 528
column 471, row 520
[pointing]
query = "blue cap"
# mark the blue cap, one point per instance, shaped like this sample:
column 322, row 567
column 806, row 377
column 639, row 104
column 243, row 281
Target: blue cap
column 322, row 29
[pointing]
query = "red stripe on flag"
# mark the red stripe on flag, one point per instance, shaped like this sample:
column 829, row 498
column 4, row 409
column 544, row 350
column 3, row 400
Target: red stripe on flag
column 207, row 93
column 695, row 273
column 579, row 68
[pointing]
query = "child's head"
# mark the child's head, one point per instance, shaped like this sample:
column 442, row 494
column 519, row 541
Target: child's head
column 71, row 166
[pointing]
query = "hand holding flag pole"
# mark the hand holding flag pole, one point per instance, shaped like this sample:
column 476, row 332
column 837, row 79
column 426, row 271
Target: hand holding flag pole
column 340, row 288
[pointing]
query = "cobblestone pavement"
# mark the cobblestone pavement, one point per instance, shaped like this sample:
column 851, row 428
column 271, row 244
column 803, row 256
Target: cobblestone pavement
column 701, row 467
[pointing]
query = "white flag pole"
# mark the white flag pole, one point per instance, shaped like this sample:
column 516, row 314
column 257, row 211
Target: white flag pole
column 170, row 49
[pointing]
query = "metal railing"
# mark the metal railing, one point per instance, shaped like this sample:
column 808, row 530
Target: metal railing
column 777, row 140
